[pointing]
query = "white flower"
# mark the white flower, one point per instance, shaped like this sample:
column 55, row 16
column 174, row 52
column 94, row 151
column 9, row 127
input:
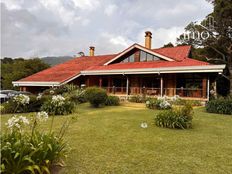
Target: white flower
column 144, row 125
column 52, row 92
column 42, row 116
column 17, row 122
column 58, row 100
column 147, row 102
column 21, row 99
column 175, row 98
column 164, row 104
column 39, row 96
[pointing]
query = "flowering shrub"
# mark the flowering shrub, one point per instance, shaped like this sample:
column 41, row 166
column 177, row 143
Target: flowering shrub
column 164, row 104
column 31, row 151
column 159, row 103
column 17, row 122
column 58, row 105
column 179, row 118
column 21, row 99
column 42, row 116
column 58, row 100
column 35, row 103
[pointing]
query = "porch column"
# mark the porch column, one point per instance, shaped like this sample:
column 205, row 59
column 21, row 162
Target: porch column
column 100, row 82
column 208, row 89
column 127, row 86
column 161, row 85
column 204, row 87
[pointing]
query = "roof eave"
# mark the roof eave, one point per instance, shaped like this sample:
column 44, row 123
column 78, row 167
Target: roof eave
column 179, row 69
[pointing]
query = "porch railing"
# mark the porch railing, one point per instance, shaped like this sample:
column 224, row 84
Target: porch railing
column 182, row 92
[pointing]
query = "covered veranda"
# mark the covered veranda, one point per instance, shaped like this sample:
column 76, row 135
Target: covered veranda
column 185, row 85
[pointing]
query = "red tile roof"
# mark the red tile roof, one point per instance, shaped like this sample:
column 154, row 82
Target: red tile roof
column 65, row 71
column 177, row 53
column 153, row 64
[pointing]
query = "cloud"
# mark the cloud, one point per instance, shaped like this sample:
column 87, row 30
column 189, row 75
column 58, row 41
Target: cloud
column 60, row 27
column 110, row 9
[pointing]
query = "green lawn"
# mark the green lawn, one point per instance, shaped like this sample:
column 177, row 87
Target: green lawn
column 110, row 140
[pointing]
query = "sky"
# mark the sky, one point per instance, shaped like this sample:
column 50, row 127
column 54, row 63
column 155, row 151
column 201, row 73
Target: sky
column 37, row 28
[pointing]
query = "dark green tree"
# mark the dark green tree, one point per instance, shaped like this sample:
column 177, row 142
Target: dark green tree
column 15, row 69
column 168, row 45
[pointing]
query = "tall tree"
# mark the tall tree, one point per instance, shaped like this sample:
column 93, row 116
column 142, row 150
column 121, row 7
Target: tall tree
column 217, row 46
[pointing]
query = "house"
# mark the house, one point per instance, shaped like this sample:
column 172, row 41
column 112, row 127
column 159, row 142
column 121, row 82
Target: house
column 136, row 70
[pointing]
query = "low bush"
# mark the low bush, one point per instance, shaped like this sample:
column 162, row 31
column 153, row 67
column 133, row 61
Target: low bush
column 178, row 118
column 58, row 105
column 220, row 106
column 137, row 99
column 96, row 96
column 112, row 101
column 31, row 151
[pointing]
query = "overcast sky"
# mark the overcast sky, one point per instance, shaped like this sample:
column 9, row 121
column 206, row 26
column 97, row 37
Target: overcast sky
column 36, row 28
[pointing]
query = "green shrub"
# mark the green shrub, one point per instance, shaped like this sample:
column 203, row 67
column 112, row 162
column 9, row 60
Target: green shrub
column 137, row 99
column 96, row 96
column 220, row 106
column 58, row 105
column 78, row 96
column 180, row 118
column 112, row 101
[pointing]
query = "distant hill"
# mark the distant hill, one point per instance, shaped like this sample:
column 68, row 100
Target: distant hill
column 56, row 60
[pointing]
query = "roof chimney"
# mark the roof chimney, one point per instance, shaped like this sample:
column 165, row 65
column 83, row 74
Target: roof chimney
column 91, row 51
column 148, row 39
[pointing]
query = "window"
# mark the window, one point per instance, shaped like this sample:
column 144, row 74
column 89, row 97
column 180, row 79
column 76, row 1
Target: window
column 131, row 58
column 143, row 56
column 149, row 57
column 146, row 57
column 156, row 58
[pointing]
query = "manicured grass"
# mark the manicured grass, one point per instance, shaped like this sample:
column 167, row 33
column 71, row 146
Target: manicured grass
column 110, row 140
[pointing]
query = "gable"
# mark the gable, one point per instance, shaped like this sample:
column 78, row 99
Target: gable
column 129, row 51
